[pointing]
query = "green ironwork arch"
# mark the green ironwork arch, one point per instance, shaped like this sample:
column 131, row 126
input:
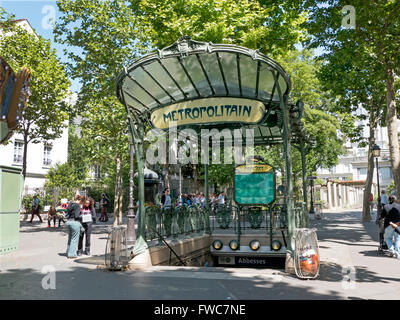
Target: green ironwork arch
column 192, row 72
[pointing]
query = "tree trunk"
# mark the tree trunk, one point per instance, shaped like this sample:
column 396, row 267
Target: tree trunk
column 195, row 178
column 391, row 122
column 166, row 177
column 118, row 193
column 24, row 156
column 373, row 121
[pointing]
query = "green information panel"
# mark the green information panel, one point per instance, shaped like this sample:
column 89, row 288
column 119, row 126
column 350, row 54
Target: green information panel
column 11, row 186
column 254, row 184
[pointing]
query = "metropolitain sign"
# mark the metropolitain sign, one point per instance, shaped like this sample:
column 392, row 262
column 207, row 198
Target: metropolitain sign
column 208, row 111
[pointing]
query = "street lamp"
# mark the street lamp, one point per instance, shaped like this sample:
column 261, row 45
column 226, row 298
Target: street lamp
column 376, row 152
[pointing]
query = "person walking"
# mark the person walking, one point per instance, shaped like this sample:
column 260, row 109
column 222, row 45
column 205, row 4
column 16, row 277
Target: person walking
column 35, row 208
column 105, row 202
column 391, row 213
column 87, row 220
column 74, row 226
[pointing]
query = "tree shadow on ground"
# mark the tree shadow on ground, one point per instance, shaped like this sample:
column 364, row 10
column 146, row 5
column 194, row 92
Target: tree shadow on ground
column 81, row 283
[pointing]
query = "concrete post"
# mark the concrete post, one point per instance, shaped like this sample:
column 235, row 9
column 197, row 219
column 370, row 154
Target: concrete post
column 322, row 193
column 329, row 195
column 335, row 197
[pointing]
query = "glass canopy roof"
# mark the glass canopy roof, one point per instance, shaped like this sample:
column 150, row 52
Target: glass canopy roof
column 190, row 70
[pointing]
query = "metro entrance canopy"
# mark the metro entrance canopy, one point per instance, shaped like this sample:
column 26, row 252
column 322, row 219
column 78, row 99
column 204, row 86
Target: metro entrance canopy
column 203, row 85
column 199, row 84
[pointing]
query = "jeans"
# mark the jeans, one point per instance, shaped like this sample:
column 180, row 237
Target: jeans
column 36, row 212
column 393, row 246
column 88, row 231
column 74, row 230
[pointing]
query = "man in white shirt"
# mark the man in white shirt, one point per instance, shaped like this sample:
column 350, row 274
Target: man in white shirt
column 221, row 199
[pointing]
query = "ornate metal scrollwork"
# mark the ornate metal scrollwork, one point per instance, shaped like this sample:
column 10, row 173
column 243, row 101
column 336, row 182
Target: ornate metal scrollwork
column 223, row 216
column 255, row 218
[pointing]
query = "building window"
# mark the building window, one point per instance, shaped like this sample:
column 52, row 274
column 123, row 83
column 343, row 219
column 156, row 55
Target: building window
column 47, row 155
column 361, row 172
column 97, row 171
column 386, row 173
column 18, row 151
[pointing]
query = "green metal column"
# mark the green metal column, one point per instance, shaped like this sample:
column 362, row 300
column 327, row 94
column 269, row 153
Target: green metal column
column 206, row 190
column 304, row 176
column 303, row 168
column 288, row 177
column 136, row 129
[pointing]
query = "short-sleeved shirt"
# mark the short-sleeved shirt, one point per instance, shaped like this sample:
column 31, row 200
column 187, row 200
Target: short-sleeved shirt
column 35, row 203
column 167, row 203
column 221, row 199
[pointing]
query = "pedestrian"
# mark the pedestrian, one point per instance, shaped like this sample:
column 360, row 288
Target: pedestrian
column 60, row 211
column 371, row 201
column 105, row 202
column 221, row 199
column 384, row 199
column 166, row 202
column 93, row 206
column 74, row 226
column 35, row 208
column 391, row 213
column 202, row 200
column 396, row 227
column 86, row 215
column 51, row 215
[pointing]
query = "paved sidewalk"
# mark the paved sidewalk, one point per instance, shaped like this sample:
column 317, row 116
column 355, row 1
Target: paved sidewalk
column 345, row 244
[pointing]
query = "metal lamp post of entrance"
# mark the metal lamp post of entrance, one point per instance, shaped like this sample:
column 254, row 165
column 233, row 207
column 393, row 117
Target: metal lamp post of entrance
column 312, row 210
column 131, row 233
column 376, row 151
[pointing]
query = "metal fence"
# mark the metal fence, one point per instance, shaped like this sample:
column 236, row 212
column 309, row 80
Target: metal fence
column 184, row 220
column 177, row 221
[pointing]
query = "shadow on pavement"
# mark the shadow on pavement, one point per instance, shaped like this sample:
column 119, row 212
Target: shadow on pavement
column 84, row 284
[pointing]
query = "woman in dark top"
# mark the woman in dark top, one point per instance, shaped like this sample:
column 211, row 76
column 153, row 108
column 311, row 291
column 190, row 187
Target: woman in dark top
column 74, row 226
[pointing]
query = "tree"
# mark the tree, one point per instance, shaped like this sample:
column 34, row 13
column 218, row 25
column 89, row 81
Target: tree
column 46, row 113
column 321, row 126
column 375, row 35
column 352, row 87
column 106, row 34
column 63, row 180
column 270, row 26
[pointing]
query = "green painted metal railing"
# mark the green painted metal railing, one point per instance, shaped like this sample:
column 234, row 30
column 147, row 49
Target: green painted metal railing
column 175, row 222
column 186, row 221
